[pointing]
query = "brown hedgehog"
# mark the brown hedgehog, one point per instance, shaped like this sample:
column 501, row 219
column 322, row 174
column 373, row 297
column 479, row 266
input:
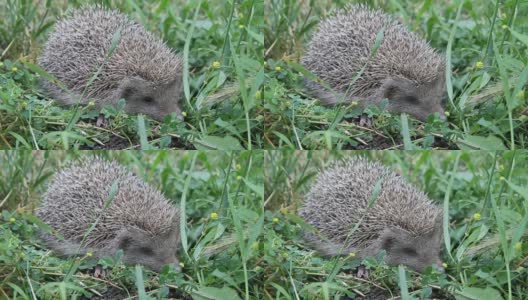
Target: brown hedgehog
column 138, row 219
column 402, row 221
column 404, row 69
column 141, row 68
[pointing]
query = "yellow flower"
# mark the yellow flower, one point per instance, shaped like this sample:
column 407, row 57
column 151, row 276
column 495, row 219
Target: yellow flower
column 216, row 64
column 238, row 166
column 1, row 64
column 476, row 216
column 520, row 94
column 447, row 114
column 501, row 168
column 184, row 113
column 275, row 220
column 284, row 210
column 352, row 254
column 444, row 265
column 240, row 15
column 504, row 15
column 265, row 63
column 258, row 95
column 354, row 103
column 518, row 246
column 214, row 216
column 504, row 26
column 277, row 68
column 91, row 103
column 255, row 245
column 479, row 65
column 12, row 220
column 181, row 264
column 239, row 177
column 14, row 69
column 89, row 254
column 241, row 26
column 502, row 178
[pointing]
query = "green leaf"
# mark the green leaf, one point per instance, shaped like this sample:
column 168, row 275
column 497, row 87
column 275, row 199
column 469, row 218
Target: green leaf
column 521, row 37
column 479, row 294
column 402, row 282
column 300, row 221
column 140, row 284
column 259, row 189
column 408, row 145
column 221, row 78
column 472, row 142
column 218, row 143
column 142, row 131
column 18, row 290
column 212, row 293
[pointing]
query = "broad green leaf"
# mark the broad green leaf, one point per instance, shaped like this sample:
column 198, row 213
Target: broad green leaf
column 473, row 293
column 218, row 143
column 213, row 293
column 474, row 142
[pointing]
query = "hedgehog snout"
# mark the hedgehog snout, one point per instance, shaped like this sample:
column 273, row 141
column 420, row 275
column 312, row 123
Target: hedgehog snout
column 437, row 108
column 439, row 268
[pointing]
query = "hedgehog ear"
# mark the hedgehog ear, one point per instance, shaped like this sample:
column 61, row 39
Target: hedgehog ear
column 126, row 237
column 123, row 239
column 390, row 88
column 392, row 235
column 130, row 86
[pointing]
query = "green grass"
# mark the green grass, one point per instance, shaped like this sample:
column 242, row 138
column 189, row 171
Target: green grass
column 485, row 45
column 485, row 253
column 221, row 255
column 255, row 250
column 222, row 104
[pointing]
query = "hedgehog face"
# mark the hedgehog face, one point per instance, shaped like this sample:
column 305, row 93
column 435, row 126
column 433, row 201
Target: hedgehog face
column 418, row 100
column 416, row 252
column 141, row 247
column 152, row 99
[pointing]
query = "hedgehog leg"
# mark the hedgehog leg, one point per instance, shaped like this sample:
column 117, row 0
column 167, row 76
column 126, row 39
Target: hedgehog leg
column 101, row 121
column 362, row 272
column 99, row 272
column 365, row 121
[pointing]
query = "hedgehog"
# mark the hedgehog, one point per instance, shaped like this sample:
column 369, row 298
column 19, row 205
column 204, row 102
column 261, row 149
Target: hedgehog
column 134, row 216
column 396, row 218
column 404, row 69
column 126, row 61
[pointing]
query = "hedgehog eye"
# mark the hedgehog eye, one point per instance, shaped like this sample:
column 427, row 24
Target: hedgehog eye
column 127, row 92
column 146, row 250
column 409, row 251
column 124, row 242
column 148, row 99
column 387, row 243
column 411, row 99
column 391, row 91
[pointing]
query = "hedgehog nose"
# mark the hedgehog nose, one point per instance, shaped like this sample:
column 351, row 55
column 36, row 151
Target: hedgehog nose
column 177, row 267
column 439, row 268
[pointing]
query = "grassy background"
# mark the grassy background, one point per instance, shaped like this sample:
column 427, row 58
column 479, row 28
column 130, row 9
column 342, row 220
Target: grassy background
column 487, row 254
column 223, row 254
column 222, row 105
column 485, row 44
